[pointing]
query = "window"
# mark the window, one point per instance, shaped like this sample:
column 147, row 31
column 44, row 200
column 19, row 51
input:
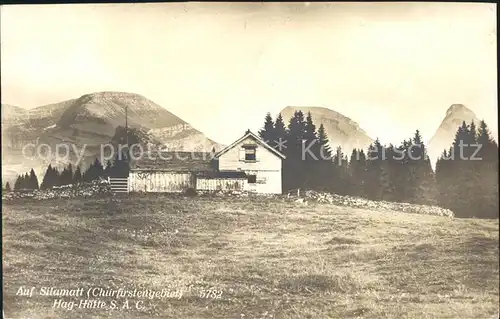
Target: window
column 249, row 153
column 252, row 179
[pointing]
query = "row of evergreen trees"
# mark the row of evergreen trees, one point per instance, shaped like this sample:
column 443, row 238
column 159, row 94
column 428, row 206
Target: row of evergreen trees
column 24, row 181
column 119, row 167
column 467, row 173
column 401, row 173
column 69, row 175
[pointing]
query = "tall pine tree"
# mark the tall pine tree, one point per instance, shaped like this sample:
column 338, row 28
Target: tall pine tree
column 280, row 134
column 324, row 166
column 323, row 142
column 374, row 171
column 267, row 133
column 357, row 173
column 311, row 157
column 486, row 166
column 77, row 176
column 94, row 172
column 33, row 180
column 293, row 165
column 467, row 175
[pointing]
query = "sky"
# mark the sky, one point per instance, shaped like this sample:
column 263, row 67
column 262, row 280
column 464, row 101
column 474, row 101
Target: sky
column 391, row 67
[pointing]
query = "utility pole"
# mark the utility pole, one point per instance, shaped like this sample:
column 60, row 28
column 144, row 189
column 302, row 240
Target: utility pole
column 126, row 124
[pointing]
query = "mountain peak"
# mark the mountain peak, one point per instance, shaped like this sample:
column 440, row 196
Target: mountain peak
column 445, row 133
column 319, row 111
column 111, row 95
column 89, row 122
column 341, row 130
column 457, row 108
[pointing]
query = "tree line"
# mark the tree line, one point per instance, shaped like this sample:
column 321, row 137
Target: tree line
column 24, row 181
column 399, row 173
column 118, row 167
column 69, row 175
column 467, row 173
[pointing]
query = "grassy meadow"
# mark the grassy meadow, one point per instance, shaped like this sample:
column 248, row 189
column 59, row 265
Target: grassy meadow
column 266, row 258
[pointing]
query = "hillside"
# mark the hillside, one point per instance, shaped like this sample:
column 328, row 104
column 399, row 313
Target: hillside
column 340, row 129
column 445, row 133
column 12, row 114
column 91, row 121
column 21, row 126
column 264, row 258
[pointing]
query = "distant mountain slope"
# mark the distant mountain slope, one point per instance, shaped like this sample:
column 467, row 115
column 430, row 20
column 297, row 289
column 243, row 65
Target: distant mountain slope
column 109, row 107
column 11, row 112
column 340, row 129
column 445, row 133
column 94, row 117
column 21, row 126
column 91, row 121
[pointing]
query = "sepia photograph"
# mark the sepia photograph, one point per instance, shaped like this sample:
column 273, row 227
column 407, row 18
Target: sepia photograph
column 249, row 160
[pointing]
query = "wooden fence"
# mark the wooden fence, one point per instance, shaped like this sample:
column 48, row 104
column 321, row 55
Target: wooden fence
column 223, row 184
column 119, row 184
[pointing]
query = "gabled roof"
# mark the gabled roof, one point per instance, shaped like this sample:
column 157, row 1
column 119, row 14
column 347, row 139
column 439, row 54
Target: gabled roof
column 173, row 161
column 257, row 139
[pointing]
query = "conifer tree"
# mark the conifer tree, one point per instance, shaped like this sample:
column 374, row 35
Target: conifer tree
column 336, row 182
column 467, row 176
column 464, row 178
column 473, row 132
column 120, row 136
column 70, row 174
column 57, row 177
column 340, row 173
column 33, row 180
column 7, row 187
column 120, row 167
column 66, row 177
column 323, row 142
column 357, row 172
column 89, row 174
column 373, row 186
column 311, row 158
column 293, row 166
column 280, row 134
column 17, row 183
column 48, row 179
column 310, row 135
column 487, row 145
column 98, row 168
column 267, row 132
column 108, row 168
column 77, row 177
column 27, row 181
column 444, row 179
column 85, row 175
column 95, row 171
column 296, row 132
column 63, row 178
column 486, row 168
column 324, row 167
column 424, row 182
column 389, row 170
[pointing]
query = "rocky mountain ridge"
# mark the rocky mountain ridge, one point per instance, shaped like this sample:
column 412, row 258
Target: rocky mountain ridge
column 91, row 120
column 445, row 133
column 341, row 130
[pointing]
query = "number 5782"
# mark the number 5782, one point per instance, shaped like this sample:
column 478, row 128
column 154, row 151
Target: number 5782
column 210, row 294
